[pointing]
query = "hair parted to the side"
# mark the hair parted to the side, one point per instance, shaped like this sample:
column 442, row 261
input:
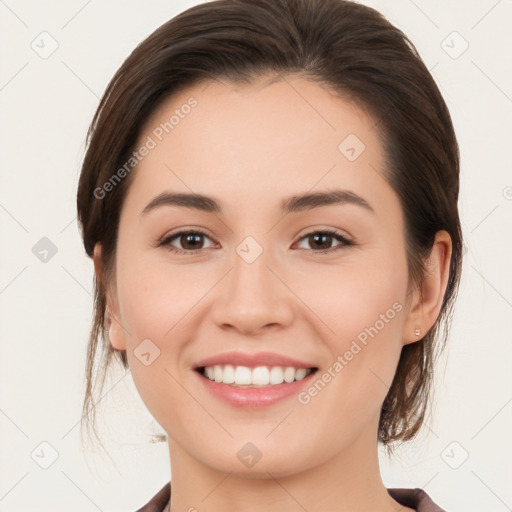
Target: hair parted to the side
column 357, row 53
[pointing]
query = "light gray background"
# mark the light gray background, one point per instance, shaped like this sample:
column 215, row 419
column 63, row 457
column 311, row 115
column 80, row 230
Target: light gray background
column 45, row 307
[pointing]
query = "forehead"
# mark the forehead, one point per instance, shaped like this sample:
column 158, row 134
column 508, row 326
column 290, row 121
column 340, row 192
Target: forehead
column 274, row 137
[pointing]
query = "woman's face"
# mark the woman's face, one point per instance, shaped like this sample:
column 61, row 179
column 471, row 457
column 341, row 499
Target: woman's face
column 252, row 277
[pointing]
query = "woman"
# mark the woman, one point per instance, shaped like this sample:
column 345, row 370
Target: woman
column 269, row 195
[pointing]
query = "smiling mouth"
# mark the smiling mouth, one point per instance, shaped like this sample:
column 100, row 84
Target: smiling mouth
column 255, row 377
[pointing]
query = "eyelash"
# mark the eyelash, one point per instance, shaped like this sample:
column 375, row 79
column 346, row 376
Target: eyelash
column 166, row 241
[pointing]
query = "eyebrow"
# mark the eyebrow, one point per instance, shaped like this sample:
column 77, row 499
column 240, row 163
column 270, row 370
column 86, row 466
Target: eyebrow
column 296, row 203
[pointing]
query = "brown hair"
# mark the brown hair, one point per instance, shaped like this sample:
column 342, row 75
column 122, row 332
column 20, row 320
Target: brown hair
column 355, row 51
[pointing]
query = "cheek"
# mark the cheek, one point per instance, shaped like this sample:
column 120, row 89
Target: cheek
column 355, row 295
column 157, row 303
column 363, row 309
column 155, row 297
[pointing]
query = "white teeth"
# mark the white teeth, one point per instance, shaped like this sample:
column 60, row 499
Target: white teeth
column 242, row 375
column 217, row 373
column 228, row 376
column 209, row 372
column 289, row 374
column 300, row 373
column 260, row 376
column 276, row 375
column 254, row 377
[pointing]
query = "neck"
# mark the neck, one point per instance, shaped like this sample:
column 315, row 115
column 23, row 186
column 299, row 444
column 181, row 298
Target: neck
column 348, row 481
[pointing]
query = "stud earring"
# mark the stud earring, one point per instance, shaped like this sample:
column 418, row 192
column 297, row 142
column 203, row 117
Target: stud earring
column 417, row 331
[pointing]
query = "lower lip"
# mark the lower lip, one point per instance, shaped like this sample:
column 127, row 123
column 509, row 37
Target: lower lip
column 254, row 397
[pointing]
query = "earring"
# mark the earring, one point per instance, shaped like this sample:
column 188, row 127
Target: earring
column 417, row 331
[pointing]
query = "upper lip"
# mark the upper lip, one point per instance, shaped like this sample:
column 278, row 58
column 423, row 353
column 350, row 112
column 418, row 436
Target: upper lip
column 237, row 358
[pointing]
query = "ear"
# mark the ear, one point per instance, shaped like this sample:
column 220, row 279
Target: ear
column 427, row 301
column 115, row 329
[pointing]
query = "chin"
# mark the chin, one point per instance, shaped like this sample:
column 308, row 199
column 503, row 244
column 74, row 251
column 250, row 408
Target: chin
column 278, row 465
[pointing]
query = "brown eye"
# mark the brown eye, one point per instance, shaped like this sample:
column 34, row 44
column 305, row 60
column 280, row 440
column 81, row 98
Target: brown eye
column 190, row 241
column 193, row 240
column 322, row 240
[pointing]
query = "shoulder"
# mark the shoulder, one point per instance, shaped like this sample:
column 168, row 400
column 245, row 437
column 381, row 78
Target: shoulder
column 159, row 501
column 417, row 499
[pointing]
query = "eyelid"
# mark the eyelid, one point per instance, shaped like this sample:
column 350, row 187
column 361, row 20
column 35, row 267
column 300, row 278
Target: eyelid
column 345, row 241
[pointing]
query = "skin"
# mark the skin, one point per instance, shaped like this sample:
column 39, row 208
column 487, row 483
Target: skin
column 250, row 147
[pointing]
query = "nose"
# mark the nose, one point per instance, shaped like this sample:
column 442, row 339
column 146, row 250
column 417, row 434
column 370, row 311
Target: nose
column 253, row 297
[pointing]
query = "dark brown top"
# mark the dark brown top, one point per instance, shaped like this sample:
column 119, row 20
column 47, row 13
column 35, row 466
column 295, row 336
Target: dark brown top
column 416, row 499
